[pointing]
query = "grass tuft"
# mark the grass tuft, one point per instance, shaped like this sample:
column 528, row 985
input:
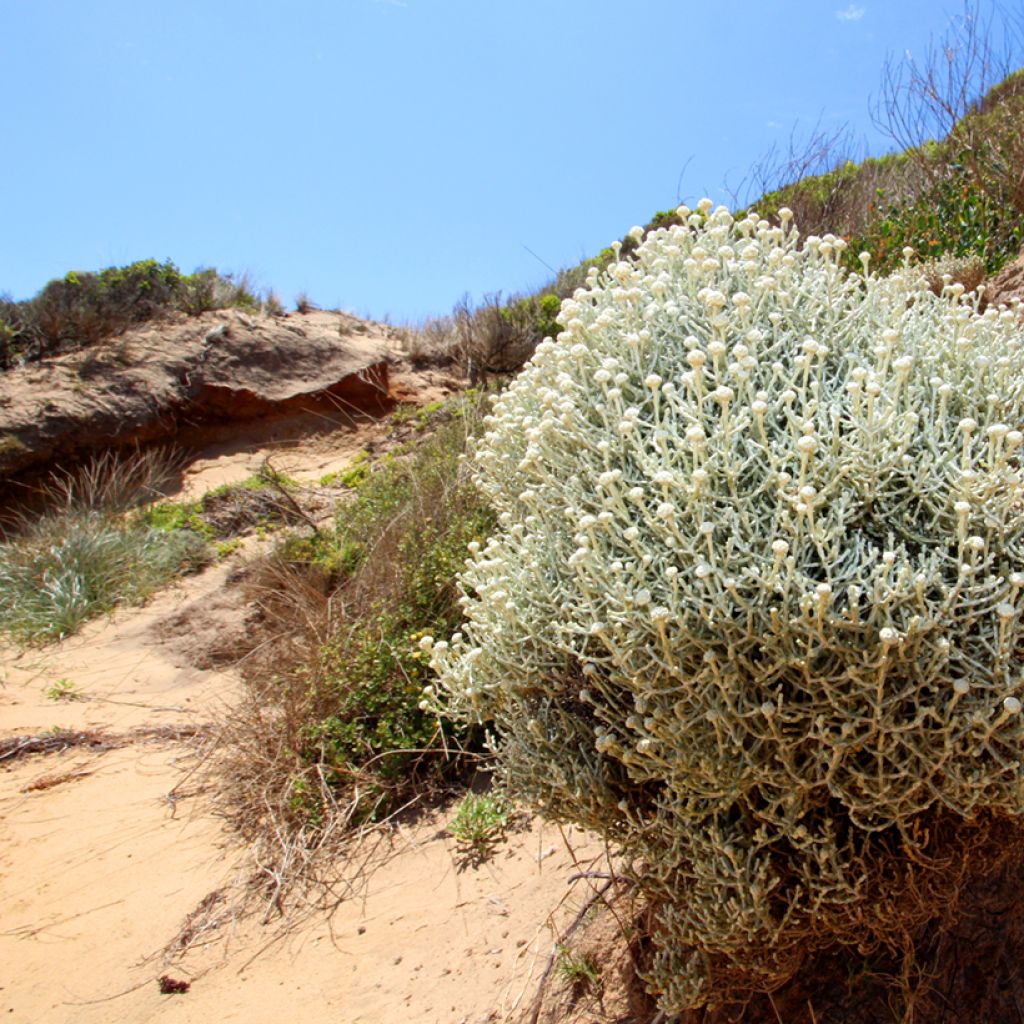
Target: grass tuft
column 480, row 822
column 576, row 968
column 85, row 555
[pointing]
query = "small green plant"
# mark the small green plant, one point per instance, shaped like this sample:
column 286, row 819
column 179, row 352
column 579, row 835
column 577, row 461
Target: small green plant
column 576, row 968
column 226, row 548
column 171, row 516
column 352, row 476
column 56, row 731
column 480, row 821
column 404, row 414
column 63, row 691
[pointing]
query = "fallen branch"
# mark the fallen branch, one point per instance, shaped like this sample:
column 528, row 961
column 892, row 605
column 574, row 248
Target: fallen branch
column 60, row 740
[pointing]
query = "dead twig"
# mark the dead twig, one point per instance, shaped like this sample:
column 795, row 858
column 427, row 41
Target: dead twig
column 273, row 478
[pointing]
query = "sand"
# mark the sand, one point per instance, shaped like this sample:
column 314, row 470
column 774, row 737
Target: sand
column 105, row 853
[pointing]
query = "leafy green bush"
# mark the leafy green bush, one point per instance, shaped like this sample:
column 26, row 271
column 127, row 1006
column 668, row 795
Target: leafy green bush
column 755, row 607
column 397, row 551
column 954, row 217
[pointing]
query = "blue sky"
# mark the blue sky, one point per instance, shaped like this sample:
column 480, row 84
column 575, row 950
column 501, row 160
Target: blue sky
column 386, row 156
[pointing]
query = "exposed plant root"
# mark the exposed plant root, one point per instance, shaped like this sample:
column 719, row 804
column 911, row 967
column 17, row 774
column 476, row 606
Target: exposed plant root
column 57, row 779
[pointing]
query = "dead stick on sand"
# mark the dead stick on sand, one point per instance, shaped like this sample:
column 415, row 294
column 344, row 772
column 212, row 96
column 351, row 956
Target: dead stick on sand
column 576, row 922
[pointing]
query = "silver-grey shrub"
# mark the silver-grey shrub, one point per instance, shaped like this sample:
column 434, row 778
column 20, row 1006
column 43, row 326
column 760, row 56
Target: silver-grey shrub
column 754, row 610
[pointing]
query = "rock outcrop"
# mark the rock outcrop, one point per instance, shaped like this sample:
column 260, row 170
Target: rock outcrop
column 189, row 373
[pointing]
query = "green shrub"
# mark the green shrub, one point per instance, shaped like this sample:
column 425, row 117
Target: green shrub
column 955, row 217
column 755, row 607
column 340, row 690
column 397, row 551
column 83, row 309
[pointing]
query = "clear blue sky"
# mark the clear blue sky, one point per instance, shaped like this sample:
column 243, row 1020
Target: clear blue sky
column 386, row 156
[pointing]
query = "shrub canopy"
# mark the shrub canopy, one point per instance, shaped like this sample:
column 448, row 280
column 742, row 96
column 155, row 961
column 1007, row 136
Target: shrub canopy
column 754, row 607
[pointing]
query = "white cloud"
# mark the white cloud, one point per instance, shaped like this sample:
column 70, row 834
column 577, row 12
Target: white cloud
column 852, row 13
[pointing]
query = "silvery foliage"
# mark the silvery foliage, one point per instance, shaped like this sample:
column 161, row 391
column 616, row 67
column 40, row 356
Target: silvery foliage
column 758, row 584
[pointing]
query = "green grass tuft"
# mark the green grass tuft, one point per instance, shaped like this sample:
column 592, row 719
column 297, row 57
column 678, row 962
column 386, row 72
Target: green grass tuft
column 480, row 822
column 71, row 567
column 88, row 553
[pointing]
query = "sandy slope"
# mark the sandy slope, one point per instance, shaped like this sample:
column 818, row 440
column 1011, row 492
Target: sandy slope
column 101, row 866
column 104, row 855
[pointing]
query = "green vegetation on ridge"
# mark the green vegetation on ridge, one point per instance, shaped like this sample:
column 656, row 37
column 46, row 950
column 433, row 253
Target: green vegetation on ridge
column 83, row 309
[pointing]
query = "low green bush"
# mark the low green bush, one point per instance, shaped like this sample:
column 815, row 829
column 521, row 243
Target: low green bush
column 956, row 217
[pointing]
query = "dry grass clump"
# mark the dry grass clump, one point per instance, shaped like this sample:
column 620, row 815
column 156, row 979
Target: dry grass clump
column 330, row 739
column 960, row 964
column 966, row 270
column 496, row 337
